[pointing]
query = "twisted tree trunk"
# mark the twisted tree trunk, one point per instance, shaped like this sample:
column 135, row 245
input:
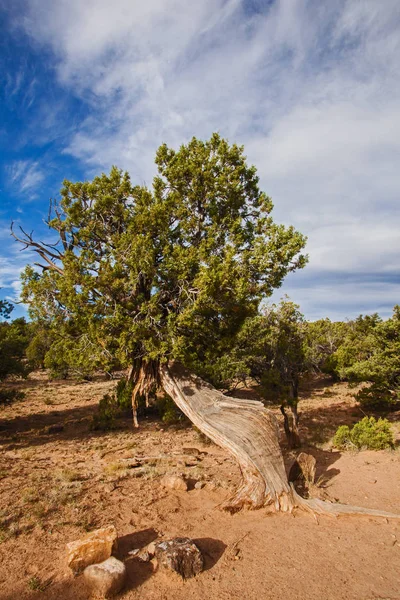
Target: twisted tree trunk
column 250, row 433
column 244, row 428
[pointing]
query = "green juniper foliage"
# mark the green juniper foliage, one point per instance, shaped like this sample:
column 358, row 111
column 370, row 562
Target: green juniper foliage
column 278, row 346
column 14, row 339
column 379, row 364
column 107, row 413
column 366, row 349
column 140, row 274
column 270, row 349
column 368, row 433
column 323, row 338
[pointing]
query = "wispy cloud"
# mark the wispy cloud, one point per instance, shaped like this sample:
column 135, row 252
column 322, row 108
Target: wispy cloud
column 25, row 175
column 10, row 269
column 309, row 87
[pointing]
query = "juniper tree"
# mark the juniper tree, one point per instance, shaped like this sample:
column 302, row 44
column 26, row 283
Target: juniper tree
column 140, row 275
column 159, row 277
column 162, row 280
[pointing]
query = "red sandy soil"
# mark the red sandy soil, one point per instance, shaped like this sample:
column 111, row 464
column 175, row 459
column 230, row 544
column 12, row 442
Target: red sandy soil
column 55, row 486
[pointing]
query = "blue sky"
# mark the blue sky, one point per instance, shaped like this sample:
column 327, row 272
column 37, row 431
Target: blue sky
column 311, row 88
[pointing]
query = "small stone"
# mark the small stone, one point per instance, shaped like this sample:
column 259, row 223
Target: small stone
column 94, row 548
column 106, row 578
column 180, row 555
column 144, row 554
column 151, row 548
column 199, row 485
column 174, row 482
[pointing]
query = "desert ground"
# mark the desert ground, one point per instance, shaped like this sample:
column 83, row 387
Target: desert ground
column 59, row 480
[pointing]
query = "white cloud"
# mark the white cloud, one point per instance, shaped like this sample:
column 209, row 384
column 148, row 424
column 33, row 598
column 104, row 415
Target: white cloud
column 310, row 88
column 25, row 175
column 10, row 269
column 319, row 299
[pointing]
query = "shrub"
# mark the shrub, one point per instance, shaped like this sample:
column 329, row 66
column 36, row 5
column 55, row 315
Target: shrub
column 368, row 433
column 14, row 338
column 37, row 585
column 107, row 413
column 124, row 393
column 378, row 397
column 168, row 410
column 342, row 438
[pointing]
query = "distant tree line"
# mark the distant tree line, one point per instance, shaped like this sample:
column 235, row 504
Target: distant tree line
column 275, row 349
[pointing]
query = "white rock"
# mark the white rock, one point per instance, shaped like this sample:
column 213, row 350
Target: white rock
column 106, row 578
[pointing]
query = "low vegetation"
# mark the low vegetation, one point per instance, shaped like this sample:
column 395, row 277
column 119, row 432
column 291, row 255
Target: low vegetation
column 367, row 434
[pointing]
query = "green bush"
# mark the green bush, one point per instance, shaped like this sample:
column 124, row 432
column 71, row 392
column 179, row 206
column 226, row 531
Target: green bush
column 378, row 397
column 124, row 393
column 14, row 338
column 168, row 411
column 107, row 413
column 369, row 433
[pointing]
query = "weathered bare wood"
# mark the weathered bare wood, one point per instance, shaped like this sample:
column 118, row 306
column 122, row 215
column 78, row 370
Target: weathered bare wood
column 244, row 428
column 247, row 430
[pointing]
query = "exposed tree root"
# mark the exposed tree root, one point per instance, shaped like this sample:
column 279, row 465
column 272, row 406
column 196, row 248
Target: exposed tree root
column 247, row 430
column 331, row 509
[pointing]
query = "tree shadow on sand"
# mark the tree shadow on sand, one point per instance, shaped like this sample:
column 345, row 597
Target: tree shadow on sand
column 39, row 429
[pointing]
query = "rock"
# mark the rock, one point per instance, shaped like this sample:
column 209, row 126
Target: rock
column 303, row 468
column 147, row 553
column 199, row 485
column 180, row 555
column 174, row 482
column 107, row 578
column 144, row 556
column 151, row 548
column 94, row 548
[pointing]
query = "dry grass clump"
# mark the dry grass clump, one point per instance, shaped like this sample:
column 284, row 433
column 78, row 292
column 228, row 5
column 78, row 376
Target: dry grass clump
column 69, row 475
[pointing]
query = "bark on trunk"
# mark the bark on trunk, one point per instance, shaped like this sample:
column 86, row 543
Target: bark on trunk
column 145, row 375
column 247, row 430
